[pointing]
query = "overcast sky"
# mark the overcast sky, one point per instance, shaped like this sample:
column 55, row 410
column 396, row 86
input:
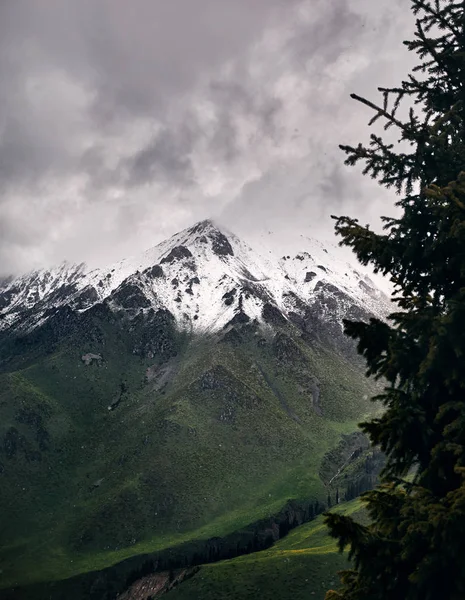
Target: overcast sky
column 123, row 122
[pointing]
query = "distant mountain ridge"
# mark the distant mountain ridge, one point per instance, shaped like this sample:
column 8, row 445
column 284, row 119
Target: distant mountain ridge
column 205, row 276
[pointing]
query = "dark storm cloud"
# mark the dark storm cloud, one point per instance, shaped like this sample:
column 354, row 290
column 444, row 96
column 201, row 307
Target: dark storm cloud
column 132, row 58
column 324, row 40
column 334, row 186
column 166, row 157
column 112, row 112
column 75, row 75
column 238, row 98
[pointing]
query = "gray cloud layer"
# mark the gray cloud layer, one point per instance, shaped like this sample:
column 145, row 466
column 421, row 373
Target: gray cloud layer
column 121, row 122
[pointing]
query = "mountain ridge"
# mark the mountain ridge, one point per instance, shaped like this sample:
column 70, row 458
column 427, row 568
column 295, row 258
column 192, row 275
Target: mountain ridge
column 204, row 275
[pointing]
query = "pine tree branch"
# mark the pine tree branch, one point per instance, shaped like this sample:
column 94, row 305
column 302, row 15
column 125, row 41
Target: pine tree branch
column 430, row 48
column 381, row 111
column 436, row 15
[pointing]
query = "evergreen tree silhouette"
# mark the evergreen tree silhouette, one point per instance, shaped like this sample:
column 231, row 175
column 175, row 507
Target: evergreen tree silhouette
column 414, row 548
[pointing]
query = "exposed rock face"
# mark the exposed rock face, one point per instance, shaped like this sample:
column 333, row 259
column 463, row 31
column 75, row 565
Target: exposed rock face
column 155, row 271
column 129, row 295
column 228, row 297
column 89, row 358
column 221, row 245
column 352, row 467
column 309, row 276
column 83, row 299
column 272, row 315
column 177, row 253
column 154, row 586
column 154, row 334
column 239, row 319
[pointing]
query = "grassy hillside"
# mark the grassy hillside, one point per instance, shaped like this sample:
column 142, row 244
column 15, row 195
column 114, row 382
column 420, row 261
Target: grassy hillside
column 301, row 566
column 161, row 440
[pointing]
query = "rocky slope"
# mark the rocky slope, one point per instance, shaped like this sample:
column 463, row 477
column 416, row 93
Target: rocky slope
column 175, row 397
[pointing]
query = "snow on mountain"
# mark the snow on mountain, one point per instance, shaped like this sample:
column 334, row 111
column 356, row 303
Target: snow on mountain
column 206, row 277
column 29, row 292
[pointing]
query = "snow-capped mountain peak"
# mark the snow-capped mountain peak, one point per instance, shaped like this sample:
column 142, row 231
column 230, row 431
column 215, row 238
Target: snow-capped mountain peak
column 207, row 278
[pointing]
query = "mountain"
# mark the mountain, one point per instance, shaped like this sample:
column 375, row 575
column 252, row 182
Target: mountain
column 183, row 395
column 205, row 277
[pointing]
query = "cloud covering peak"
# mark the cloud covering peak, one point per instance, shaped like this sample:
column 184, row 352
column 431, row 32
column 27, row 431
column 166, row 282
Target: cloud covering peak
column 121, row 122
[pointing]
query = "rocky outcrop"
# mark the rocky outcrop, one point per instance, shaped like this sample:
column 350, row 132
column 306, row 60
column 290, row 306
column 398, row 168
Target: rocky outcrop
column 220, row 244
column 154, row 335
column 90, row 358
column 155, row 272
column 154, row 586
column 130, row 296
column 240, row 318
column 177, row 253
column 272, row 315
column 228, row 297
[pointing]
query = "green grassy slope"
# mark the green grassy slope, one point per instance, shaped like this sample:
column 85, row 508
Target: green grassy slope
column 203, row 437
column 301, row 566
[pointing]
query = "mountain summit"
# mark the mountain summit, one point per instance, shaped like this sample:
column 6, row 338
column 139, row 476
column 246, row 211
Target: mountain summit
column 206, row 277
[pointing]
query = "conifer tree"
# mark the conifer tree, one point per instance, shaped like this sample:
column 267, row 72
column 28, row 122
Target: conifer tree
column 414, row 548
